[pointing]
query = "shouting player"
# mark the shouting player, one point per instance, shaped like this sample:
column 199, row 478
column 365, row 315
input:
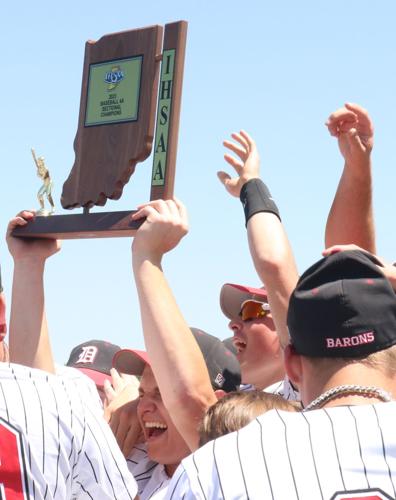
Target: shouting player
column 342, row 323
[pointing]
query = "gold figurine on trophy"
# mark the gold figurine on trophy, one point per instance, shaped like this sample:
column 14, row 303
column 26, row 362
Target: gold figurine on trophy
column 46, row 188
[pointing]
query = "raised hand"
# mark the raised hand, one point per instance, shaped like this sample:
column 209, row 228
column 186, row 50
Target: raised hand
column 354, row 130
column 32, row 249
column 165, row 225
column 247, row 166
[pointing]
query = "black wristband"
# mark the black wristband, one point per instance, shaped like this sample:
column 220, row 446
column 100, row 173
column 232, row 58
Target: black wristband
column 255, row 198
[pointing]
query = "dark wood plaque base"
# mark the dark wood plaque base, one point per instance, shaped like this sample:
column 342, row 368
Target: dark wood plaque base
column 68, row 227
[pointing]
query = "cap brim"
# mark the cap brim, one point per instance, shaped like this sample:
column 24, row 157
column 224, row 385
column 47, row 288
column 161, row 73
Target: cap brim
column 232, row 296
column 130, row 361
column 98, row 377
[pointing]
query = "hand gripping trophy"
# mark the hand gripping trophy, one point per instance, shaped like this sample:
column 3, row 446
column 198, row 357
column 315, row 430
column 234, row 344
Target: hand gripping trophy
column 46, row 188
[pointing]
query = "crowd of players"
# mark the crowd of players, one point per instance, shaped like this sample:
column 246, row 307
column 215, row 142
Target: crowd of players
column 298, row 404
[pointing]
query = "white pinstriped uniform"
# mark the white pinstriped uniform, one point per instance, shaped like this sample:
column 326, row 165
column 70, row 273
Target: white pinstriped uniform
column 61, row 447
column 282, row 388
column 82, row 383
column 336, row 453
column 150, row 476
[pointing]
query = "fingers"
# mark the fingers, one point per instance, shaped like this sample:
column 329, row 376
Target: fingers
column 223, row 177
column 182, row 211
column 240, row 151
column 248, row 139
column 166, row 208
column 242, row 139
column 354, row 141
column 340, row 248
column 21, row 219
column 131, row 439
column 122, row 429
column 341, row 121
column 236, row 164
column 118, row 381
column 364, row 119
column 109, row 391
column 351, row 116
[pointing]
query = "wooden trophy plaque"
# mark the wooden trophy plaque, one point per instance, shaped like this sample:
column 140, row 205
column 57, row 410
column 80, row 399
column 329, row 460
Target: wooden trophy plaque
column 124, row 92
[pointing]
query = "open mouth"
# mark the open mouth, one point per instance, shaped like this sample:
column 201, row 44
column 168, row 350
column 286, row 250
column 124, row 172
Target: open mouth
column 154, row 429
column 239, row 344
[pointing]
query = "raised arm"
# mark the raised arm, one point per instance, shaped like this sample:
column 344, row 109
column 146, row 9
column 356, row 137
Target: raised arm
column 29, row 340
column 3, row 321
column 351, row 219
column 269, row 246
column 176, row 360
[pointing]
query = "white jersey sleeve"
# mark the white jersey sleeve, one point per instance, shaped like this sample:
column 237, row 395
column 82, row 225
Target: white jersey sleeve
column 285, row 389
column 282, row 388
column 82, row 383
column 339, row 453
column 53, row 445
column 150, row 476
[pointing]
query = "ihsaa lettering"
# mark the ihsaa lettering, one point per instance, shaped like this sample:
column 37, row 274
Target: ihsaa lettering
column 362, row 338
column 114, row 76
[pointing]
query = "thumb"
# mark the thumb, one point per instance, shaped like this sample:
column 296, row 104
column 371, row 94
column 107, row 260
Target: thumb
column 223, row 177
column 354, row 141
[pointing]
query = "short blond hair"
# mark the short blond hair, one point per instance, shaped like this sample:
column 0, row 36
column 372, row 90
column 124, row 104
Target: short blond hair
column 237, row 409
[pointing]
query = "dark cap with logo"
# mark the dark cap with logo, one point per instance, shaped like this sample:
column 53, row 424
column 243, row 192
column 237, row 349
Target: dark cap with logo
column 343, row 306
column 223, row 367
column 94, row 358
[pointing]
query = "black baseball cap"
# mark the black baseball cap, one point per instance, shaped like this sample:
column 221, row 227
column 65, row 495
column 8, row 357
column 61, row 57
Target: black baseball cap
column 223, row 366
column 229, row 344
column 94, row 358
column 343, row 306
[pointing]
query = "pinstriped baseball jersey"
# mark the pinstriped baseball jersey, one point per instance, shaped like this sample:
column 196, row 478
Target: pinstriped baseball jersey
column 82, row 383
column 52, row 444
column 150, row 476
column 337, row 453
column 282, row 388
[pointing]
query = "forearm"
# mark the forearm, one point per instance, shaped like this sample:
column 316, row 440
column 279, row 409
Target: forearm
column 29, row 340
column 176, row 359
column 274, row 262
column 351, row 219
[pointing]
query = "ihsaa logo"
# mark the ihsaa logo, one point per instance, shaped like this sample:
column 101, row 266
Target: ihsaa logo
column 113, row 77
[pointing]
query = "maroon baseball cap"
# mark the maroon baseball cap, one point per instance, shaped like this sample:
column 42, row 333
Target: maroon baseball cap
column 232, row 297
column 130, row 361
column 222, row 364
column 94, row 359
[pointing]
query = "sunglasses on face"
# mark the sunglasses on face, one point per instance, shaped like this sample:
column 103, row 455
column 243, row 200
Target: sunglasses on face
column 253, row 309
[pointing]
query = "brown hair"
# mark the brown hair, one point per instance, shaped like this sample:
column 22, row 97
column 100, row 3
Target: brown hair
column 237, row 409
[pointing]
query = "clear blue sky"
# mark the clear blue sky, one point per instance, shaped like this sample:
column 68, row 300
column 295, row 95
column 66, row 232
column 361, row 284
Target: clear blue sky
column 276, row 69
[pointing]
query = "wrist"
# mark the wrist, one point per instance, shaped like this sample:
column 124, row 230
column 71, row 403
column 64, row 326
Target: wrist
column 256, row 197
column 29, row 263
column 247, row 177
column 358, row 166
column 140, row 259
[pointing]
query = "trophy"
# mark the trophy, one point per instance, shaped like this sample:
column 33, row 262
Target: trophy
column 131, row 85
column 46, row 188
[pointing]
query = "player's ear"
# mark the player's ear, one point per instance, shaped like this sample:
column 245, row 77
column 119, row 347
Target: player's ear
column 219, row 393
column 293, row 364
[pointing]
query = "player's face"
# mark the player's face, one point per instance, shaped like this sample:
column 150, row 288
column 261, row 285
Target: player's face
column 164, row 443
column 259, row 352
